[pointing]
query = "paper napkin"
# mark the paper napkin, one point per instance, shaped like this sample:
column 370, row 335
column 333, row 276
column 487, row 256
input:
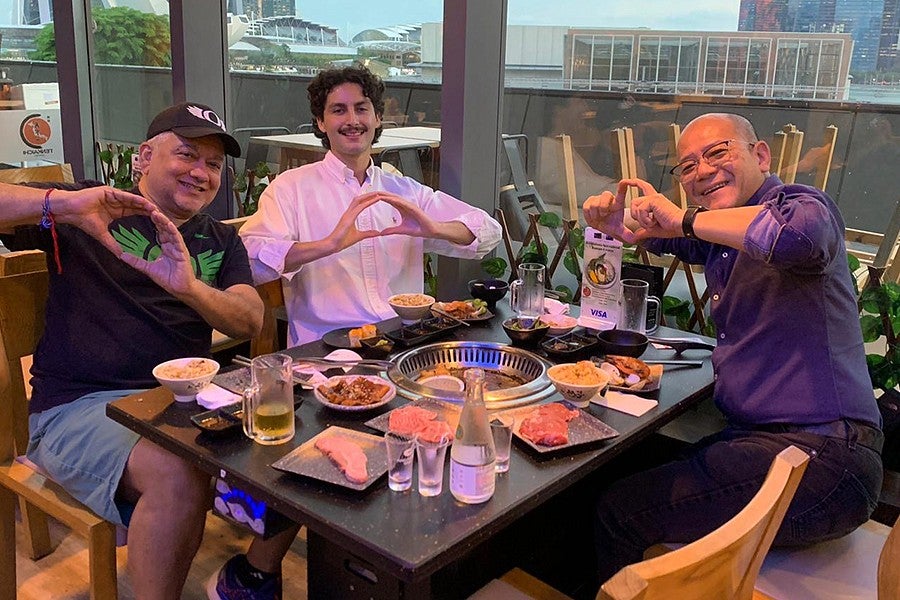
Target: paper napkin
column 626, row 403
column 314, row 372
column 555, row 307
column 213, row 396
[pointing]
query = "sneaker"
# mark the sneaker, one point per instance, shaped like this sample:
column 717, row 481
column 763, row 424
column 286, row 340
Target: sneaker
column 224, row 585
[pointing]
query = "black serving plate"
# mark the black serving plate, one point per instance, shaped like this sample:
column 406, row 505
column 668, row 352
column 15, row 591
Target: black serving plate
column 421, row 331
column 570, row 346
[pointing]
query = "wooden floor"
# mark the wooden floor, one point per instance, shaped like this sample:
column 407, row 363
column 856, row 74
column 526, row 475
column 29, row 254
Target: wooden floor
column 63, row 574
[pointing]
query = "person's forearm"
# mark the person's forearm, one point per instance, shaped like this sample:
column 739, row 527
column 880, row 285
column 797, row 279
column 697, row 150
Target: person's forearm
column 302, row 253
column 19, row 205
column 455, row 232
column 726, row 226
column 237, row 312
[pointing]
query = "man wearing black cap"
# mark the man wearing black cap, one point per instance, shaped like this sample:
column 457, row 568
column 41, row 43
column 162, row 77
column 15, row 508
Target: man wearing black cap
column 135, row 280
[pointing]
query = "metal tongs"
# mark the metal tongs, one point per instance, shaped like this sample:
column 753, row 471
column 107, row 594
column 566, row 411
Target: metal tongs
column 336, row 363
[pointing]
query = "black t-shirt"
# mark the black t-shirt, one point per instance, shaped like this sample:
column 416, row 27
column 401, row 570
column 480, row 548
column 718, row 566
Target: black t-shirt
column 108, row 324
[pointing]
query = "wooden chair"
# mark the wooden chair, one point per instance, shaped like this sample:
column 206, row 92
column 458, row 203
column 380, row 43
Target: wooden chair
column 722, row 564
column 22, row 302
column 22, row 261
column 863, row 564
column 269, row 339
column 48, row 173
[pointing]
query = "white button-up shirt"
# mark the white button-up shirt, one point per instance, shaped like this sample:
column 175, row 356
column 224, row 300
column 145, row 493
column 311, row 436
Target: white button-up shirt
column 351, row 287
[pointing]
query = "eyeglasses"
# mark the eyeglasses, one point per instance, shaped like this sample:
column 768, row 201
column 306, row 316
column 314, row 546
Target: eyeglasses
column 715, row 156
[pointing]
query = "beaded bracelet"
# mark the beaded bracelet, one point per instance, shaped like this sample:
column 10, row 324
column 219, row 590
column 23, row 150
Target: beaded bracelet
column 48, row 222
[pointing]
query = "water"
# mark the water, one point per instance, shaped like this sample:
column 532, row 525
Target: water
column 431, row 469
column 400, row 472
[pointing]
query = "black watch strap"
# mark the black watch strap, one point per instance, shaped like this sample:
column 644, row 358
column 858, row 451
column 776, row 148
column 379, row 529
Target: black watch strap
column 687, row 222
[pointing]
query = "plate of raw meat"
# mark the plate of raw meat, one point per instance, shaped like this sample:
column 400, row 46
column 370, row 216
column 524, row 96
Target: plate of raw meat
column 344, row 457
column 428, row 417
column 558, row 425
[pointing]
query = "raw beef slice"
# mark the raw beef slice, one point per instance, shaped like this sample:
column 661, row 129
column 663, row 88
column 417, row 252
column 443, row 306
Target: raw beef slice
column 347, row 455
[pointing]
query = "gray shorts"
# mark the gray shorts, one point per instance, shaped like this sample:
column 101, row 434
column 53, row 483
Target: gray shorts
column 85, row 451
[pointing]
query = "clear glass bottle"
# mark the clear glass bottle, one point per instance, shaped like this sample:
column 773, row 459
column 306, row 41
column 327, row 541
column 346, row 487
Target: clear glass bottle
column 472, row 454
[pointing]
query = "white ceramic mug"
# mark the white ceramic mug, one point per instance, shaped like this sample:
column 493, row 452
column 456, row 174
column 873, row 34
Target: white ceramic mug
column 635, row 298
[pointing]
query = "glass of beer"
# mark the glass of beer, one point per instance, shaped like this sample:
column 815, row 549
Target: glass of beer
column 269, row 401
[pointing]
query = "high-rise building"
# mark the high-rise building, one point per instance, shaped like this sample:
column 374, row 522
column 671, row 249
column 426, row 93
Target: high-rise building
column 873, row 24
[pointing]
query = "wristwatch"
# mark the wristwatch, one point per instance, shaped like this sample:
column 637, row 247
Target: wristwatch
column 687, row 222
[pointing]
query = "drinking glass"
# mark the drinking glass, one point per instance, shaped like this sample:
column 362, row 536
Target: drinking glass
column 527, row 293
column 269, row 401
column 635, row 297
column 501, row 430
column 400, row 450
column 430, row 455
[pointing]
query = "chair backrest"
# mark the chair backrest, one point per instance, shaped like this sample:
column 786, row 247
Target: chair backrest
column 23, row 299
column 22, row 261
column 823, row 163
column 47, row 173
column 726, row 562
column 268, row 341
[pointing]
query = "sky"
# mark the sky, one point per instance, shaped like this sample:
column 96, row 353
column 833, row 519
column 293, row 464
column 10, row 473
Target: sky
column 352, row 16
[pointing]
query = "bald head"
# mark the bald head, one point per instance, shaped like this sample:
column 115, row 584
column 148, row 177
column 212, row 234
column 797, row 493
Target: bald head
column 742, row 128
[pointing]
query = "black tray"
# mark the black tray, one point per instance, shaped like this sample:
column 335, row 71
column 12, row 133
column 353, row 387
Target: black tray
column 421, row 331
column 578, row 344
column 225, row 419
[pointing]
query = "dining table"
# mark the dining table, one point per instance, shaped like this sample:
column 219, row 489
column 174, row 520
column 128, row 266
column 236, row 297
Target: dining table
column 297, row 149
column 377, row 543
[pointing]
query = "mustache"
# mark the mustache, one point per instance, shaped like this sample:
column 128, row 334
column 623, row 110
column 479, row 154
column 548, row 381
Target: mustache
column 353, row 129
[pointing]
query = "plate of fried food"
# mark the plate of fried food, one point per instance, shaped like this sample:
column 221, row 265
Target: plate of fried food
column 630, row 374
column 464, row 310
column 355, row 392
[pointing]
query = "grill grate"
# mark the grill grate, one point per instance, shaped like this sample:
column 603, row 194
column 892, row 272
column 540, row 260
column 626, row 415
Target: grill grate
column 508, row 360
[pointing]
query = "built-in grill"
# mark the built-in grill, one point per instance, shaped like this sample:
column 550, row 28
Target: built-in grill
column 510, row 361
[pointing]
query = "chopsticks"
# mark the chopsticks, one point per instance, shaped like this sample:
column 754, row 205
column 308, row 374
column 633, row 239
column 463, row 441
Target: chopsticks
column 444, row 313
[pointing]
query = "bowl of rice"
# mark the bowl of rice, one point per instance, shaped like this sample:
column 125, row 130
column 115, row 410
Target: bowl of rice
column 411, row 307
column 578, row 382
column 184, row 377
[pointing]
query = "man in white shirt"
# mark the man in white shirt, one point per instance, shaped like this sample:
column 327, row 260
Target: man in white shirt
column 344, row 235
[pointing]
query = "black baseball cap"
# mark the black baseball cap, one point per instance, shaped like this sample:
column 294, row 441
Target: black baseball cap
column 193, row 120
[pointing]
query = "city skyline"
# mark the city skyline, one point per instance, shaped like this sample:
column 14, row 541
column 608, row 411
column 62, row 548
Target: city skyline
column 701, row 15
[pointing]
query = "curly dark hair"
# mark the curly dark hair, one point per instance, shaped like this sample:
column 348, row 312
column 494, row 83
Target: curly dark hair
column 325, row 81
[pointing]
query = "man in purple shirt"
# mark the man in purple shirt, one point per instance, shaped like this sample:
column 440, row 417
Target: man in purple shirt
column 790, row 366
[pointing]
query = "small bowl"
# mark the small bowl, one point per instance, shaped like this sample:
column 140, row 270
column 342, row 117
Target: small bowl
column 622, row 342
column 559, row 324
column 577, row 394
column 489, row 290
column 410, row 314
column 179, row 376
column 443, row 382
column 525, row 337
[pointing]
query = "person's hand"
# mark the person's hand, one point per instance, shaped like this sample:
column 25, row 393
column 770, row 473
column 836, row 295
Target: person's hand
column 345, row 233
column 606, row 212
column 655, row 215
column 172, row 269
column 93, row 209
column 414, row 221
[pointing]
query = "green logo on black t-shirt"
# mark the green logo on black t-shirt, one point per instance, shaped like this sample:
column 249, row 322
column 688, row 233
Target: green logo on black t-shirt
column 206, row 265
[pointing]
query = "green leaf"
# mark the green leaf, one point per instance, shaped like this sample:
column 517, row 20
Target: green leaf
column 853, row 262
column 549, row 219
column 494, row 266
column 871, row 328
column 571, row 264
column 565, row 293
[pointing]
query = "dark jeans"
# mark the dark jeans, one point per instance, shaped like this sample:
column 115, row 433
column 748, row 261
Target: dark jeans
column 684, row 500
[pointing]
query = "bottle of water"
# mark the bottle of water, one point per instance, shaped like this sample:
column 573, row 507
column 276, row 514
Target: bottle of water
column 472, row 454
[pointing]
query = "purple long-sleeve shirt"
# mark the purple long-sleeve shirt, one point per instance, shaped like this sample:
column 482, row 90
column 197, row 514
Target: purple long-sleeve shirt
column 790, row 347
